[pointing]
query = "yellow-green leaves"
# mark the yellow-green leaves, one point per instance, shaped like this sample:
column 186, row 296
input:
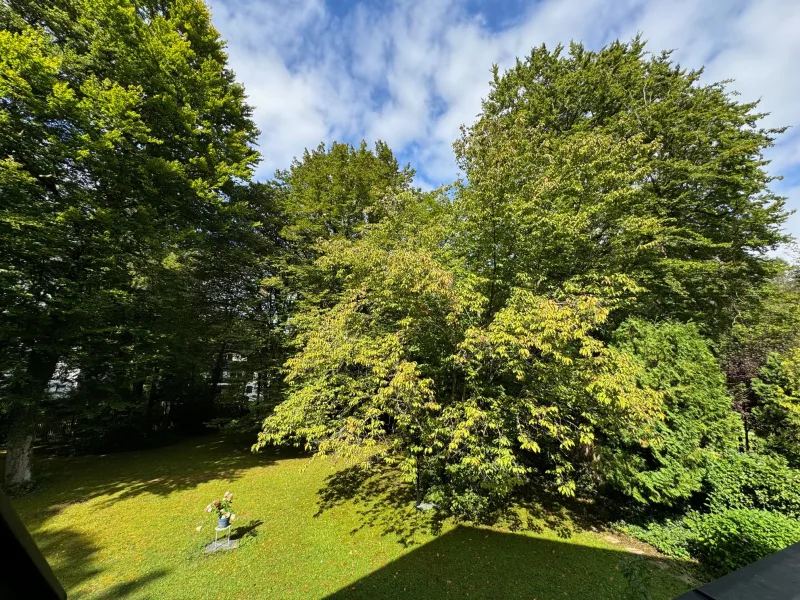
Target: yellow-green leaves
column 777, row 414
column 405, row 361
column 569, row 387
column 471, row 333
column 357, row 378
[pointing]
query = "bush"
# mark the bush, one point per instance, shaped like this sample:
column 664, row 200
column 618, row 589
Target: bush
column 639, row 577
column 722, row 541
column 698, row 421
column 729, row 540
column 753, row 481
column 777, row 413
column 670, row 537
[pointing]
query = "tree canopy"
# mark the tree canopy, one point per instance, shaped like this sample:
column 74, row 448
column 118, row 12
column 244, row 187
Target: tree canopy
column 551, row 318
column 587, row 163
column 123, row 137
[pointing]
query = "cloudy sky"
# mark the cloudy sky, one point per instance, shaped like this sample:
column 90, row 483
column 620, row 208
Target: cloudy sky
column 411, row 72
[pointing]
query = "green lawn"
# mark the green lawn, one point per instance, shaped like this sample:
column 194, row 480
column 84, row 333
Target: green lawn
column 125, row 525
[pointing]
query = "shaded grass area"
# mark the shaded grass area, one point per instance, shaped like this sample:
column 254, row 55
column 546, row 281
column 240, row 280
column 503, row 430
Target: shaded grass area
column 125, row 526
column 471, row 562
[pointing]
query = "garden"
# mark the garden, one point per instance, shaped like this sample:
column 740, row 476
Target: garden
column 571, row 370
column 134, row 525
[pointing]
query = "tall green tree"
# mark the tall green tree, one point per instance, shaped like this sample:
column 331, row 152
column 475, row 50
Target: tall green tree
column 586, row 163
column 466, row 337
column 403, row 366
column 766, row 323
column 333, row 193
column 123, row 133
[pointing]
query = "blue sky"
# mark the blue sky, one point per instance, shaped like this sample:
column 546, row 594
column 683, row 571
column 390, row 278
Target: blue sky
column 410, row 72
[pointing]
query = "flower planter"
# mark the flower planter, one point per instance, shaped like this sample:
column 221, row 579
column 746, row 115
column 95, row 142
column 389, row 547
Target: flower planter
column 222, row 508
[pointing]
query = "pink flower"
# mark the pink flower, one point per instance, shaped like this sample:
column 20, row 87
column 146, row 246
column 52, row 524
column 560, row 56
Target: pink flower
column 220, row 505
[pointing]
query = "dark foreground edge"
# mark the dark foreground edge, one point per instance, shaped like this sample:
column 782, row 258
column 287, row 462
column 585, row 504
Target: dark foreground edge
column 25, row 572
column 776, row 577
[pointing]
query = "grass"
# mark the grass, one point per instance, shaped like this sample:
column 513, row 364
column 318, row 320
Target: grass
column 125, row 525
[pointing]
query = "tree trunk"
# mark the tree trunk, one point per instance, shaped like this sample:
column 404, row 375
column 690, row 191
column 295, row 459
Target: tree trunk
column 28, row 394
column 18, row 458
column 155, row 395
column 418, row 483
column 746, row 433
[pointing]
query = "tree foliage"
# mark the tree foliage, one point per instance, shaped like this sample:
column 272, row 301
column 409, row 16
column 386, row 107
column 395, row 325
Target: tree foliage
column 123, row 138
column 618, row 161
column 405, row 366
column 698, row 426
column 777, row 414
column 473, row 336
column 767, row 322
column 578, row 315
column 760, row 481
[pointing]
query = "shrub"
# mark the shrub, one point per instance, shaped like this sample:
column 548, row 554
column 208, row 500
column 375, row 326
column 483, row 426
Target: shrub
column 729, row 540
column 698, row 422
column 722, row 541
column 753, row 481
column 639, row 578
column 777, row 414
column 670, row 537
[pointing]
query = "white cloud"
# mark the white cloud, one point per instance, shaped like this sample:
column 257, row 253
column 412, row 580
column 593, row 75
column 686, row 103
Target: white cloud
column 411, row 72
column 752, row 42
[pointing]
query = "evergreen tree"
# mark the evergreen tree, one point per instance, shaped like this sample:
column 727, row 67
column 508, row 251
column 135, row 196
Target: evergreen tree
column 767, row 322
column 698, row 426
column 777, row 411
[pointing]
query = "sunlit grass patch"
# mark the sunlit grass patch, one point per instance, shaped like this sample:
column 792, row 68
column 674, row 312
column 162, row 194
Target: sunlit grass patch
column 126, row 525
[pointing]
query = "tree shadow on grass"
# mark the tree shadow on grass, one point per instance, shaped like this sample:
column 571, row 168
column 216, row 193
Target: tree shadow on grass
column 471, row 562
column 540, row 511
column 160, row 471
column 73, row 558
column 383, row 502
column 123, row 590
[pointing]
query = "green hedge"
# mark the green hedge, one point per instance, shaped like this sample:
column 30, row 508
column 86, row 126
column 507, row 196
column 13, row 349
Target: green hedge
column 726, row 541
column 722, row 541
column 670, row 537
column 753, row 481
